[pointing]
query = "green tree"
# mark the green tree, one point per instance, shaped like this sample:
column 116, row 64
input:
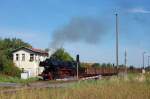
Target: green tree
column 86, row 65
column 109, row 65
column 7, row 45
column 96, row 65
column 62, row 55
column 3, row 60
column 104, row 65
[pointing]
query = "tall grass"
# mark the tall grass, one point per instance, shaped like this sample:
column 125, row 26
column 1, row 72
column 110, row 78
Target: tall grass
column 114, row 88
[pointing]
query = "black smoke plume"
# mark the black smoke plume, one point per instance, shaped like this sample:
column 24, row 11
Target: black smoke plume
column 79, row 29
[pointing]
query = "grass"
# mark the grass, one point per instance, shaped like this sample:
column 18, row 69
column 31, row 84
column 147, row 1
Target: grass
column 4, row 78
column 114, row 88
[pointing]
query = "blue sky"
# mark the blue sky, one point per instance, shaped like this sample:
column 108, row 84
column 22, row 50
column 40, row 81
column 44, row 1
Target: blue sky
column 35, row 21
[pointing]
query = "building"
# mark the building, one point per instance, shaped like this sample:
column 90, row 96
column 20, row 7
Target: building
column 28, row 60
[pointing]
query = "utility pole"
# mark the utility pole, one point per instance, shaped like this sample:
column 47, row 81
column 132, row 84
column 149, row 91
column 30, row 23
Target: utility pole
column 148, row 60
column 77, row 63
column 125, row 61
column 77, row 71
column 143, row 70
column 117, row 33
column 143, row 59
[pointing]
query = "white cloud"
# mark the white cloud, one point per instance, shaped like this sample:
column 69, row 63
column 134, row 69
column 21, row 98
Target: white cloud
column 139, row 10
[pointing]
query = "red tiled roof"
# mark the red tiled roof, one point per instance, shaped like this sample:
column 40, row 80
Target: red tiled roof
column 33, row 50
column 38, row 50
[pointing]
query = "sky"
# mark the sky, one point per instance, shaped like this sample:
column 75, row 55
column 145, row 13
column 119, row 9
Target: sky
column 84, row 27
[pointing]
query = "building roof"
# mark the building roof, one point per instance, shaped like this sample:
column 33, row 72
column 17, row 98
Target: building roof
column 38, row 51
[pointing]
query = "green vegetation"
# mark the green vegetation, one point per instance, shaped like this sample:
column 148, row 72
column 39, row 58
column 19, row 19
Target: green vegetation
column 5, row 78
column 62, row 55
column 112, row 88
column 6, row 47
column 10, row 69
column 96, row 65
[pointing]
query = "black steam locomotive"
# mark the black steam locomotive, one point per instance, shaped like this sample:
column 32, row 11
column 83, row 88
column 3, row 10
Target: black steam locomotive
column 54, row 68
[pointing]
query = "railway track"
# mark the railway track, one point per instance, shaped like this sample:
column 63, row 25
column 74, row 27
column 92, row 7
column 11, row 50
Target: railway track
column 15, row 87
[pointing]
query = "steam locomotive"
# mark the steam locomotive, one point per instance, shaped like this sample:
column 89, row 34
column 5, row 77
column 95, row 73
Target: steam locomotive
column 54, row 69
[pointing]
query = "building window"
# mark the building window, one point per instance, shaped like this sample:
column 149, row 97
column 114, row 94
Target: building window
column 31, row 57
column 23, row 57
column 17, row 57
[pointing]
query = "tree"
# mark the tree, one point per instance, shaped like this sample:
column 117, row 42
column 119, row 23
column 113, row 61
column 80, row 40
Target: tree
column 86, row 65
column 96, row 65
column 3, row 60
column 7, row 45
column 104, row 65
column 109, row 65
column 62, row 55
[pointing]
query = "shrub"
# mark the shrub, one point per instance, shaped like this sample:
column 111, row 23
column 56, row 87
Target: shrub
column 10, row 69
column 7, row 67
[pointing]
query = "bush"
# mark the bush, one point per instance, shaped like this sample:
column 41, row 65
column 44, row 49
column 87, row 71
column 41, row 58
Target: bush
column 7, row 67
column 10, row 69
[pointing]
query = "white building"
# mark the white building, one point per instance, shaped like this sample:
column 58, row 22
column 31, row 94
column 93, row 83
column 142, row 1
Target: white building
column 28, row 59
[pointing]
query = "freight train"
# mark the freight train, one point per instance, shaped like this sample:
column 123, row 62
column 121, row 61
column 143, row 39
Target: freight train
column 56, row 69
